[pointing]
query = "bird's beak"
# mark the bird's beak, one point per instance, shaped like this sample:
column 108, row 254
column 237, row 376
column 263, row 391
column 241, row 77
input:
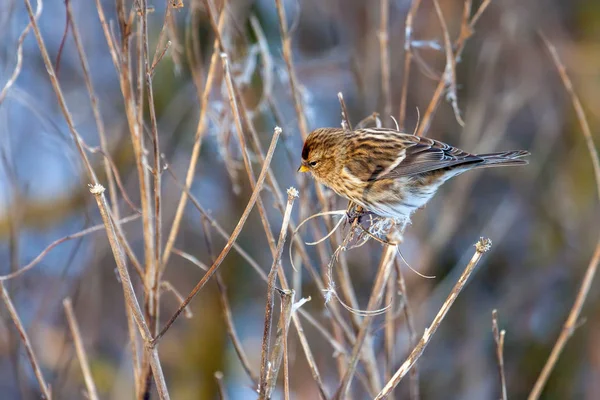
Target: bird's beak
column 303, row 168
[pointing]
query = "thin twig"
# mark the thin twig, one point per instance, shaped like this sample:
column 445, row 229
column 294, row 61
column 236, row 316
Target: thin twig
column 221, row 385
column 499, row 339
column 465, row 33
column 200, row 131
column 408, row 32
column 410, row 328
column 286, row 43
column 480, row 248
column 227, row 314
column 95, row 110
column 19, row 64
column 280, row 349
column 384, row 54
column 450, row 70
column 232, row 238
column 271, row 281
column 46, row 393
column 80, row 349
column 383, row 274
column 52, row 245
column 345, row 116
column 130, row 296
column 572, row 319
column 390, row 327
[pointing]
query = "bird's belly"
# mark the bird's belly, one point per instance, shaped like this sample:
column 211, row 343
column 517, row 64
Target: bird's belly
column 399, row 199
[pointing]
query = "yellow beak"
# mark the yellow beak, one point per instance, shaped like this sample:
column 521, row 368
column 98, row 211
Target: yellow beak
column 303, row 168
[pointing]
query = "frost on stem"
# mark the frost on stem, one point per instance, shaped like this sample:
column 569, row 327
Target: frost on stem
column 96, row 189
column 483, row 245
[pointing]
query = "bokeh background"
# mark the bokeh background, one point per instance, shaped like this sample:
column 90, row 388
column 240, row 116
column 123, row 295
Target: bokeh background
column 542, row 219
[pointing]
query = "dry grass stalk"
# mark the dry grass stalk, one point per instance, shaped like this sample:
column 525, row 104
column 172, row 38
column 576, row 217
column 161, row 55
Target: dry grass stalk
column 383, row 274
column 572, row 320
column 280, row 349
column 466, row 31
column 80, row 350
column 130, row 297
column 200, row 131
column 108, row 170
column 410, row 328
column 232, row 238
column 271, row 282
column 19, row 64
column 286, row 43
column 499, row 339
column 14, row 316
column 480, row 248
column 221, row 385
column 408, row 33
column 52, row 245
column 384, row 54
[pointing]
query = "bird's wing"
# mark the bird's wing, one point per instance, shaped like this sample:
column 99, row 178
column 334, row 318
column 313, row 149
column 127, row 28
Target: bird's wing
column 424, row 155
column 395, row 155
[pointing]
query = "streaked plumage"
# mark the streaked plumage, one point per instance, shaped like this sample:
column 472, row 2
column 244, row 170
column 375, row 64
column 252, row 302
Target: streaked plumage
column 389, row 173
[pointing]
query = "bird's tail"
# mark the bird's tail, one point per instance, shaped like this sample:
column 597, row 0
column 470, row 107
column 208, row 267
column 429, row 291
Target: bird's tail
column 504, row 158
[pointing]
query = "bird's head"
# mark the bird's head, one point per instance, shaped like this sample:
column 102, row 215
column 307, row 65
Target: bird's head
column 321, row 154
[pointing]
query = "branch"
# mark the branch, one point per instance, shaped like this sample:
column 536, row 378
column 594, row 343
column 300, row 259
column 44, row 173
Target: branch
column 81, row 354
column 480, row 248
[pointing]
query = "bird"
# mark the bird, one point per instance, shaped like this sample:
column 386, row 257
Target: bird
column 389, row 173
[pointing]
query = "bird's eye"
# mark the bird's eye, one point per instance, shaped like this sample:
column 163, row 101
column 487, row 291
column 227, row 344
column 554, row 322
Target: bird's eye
column 312, row 163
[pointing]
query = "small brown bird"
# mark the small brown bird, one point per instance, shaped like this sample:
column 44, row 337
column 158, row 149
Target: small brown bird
column 389, row 173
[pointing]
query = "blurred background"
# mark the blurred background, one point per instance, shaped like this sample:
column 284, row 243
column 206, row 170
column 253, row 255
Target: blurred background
column 542, row 219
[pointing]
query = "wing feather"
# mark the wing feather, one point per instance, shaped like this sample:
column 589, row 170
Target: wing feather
column 416, row 155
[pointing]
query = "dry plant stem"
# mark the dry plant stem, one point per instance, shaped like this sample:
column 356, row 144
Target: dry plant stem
column 232, row 238
column 571, row 322
column 81, row 354
column 220, row 385
column 112, row 188
column 450, row 71
column 130, row 297
column 52, row 245
column 345, row 115
column 482, row 246
column 271, row 282
column 152, row 278
column 390, row 327
column 45, row 389
column 263, row 276
column 279, row 352
column 237, row 344
column 200, row 130
column 410, row 327
column 336, row 345
column 465, row 32
column 227, row 314
column 246, row 157
column 384, row 54
column 569, row 327
column 286, row 42
column 18, row 66
column 408, row 31
column 383, row 274
column 168, row 286
column 111, row 228
column 499, row 339
column 58, row 91
column 345, row 283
